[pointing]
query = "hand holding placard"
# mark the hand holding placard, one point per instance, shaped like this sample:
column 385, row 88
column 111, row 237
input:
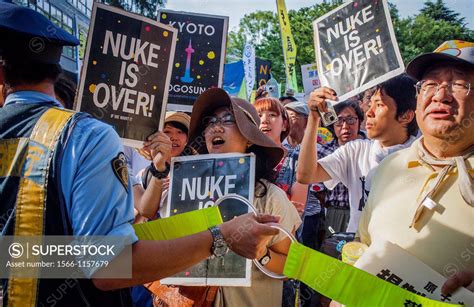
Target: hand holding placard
column 159, row 146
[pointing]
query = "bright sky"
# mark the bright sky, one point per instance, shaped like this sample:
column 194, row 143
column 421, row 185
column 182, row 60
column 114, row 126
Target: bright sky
column 236, row 9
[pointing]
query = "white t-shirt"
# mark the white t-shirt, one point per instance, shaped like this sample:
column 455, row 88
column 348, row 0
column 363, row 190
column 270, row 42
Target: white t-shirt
column 352, row 164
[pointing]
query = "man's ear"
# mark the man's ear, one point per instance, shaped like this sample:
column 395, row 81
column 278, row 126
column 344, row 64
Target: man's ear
column 406, row 117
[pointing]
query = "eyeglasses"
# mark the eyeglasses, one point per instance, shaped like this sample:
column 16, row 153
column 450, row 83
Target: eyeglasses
column 349, row 120
column 456, row 88
column 226, row 120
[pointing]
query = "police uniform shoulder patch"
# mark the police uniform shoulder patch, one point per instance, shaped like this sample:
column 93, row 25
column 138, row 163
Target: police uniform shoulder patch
column 119, row 166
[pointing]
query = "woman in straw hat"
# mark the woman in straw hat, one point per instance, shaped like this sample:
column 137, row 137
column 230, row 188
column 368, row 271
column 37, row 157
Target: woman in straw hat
column 171, row 142
column 223, row 124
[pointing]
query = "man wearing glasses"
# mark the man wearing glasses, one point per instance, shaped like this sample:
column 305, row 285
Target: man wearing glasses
column 422, row 197
column 390, row 126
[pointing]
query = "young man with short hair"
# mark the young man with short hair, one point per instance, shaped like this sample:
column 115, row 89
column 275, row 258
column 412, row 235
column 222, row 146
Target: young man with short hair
column 390, row 125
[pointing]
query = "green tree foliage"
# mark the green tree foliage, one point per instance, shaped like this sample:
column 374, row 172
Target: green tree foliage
column 424, row 32
column 263, row 30
column 439, row 11
column 418, row 34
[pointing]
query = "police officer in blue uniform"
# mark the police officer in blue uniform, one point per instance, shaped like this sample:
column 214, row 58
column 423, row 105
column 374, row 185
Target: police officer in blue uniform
column 64, row 173
column 87, row 181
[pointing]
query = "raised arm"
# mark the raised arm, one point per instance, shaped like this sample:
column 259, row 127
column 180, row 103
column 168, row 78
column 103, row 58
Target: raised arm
column 308, row 170
column 154, row 260
column 159, row 147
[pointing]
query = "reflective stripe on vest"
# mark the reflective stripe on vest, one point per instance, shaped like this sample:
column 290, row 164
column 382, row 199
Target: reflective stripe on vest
column 32, row 158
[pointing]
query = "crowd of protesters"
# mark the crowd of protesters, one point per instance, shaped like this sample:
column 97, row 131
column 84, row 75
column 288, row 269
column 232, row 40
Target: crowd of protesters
column 418, row 125
column 328, row 180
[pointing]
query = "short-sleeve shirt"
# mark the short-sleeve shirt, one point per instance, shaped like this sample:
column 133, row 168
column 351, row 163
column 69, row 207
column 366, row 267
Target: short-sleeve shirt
column 286, row 177
column 446, row 236
column 350, row 164
column 97, row 202
column 135, row 162
column 286, row 169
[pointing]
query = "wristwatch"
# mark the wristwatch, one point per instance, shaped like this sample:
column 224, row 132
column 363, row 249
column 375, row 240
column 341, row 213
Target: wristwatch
column 157, row 174
column 266, row 258
column 219, row 246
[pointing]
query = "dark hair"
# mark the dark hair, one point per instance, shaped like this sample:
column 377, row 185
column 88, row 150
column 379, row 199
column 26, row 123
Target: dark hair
column 18, row 73
column 65, row 90
column 369, row 92
column 401, row 89
column 178, row 125
column 350, row 104
column 290, row 98
column 262, row 168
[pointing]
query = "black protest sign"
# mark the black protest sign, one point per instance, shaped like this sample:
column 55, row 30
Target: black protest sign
column 356, row 47
column 264, row 68
column 200, row 56
column 196, row 183
column 126, row 72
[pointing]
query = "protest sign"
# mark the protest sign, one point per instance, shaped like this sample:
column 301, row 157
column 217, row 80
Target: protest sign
column 248, row 57
column 200, row 56
column 289, row 46
column 356, row 47
column 309, row 73
column 126, row 72
column 391, row 263
column 198, row 181
column 264, row 69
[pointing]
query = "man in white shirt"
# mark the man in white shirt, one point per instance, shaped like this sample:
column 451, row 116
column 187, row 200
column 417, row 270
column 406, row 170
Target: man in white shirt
column 390, row 126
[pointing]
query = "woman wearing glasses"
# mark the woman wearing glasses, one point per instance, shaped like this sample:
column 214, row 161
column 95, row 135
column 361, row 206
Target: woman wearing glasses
column 221, row 124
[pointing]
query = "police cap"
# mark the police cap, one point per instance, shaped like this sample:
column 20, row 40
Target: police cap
column 29, row 36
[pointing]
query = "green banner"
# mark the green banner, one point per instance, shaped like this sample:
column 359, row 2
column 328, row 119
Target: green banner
column 331, row 277
column 180, row 225
column 346, row 284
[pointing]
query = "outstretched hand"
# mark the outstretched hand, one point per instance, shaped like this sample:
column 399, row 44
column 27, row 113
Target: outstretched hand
column 248, row 235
